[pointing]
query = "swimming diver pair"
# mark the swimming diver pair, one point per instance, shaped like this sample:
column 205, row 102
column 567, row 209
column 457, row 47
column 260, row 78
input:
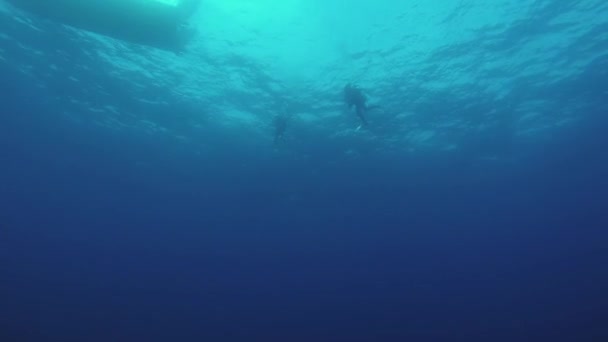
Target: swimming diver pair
column 353, row 98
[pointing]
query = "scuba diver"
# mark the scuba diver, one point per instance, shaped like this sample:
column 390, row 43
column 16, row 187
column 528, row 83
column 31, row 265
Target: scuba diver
column 280, row 126
column 354, row 97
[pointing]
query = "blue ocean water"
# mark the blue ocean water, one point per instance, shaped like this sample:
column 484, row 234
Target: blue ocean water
column 142, row 197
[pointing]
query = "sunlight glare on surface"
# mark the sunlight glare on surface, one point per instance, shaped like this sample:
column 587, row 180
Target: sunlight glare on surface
column 168, row 2
column 257, row 14
column 284, row 32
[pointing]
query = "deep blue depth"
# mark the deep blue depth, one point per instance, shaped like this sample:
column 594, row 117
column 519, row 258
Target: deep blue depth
column 94, row 249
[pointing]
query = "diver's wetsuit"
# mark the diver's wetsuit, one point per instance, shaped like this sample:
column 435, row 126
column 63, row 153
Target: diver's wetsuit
column 355, row 98
column 280, row 126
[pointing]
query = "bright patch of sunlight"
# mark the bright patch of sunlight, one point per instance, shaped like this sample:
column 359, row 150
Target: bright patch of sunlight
column 288, row 32
column 258, row 13
column 168, row 2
